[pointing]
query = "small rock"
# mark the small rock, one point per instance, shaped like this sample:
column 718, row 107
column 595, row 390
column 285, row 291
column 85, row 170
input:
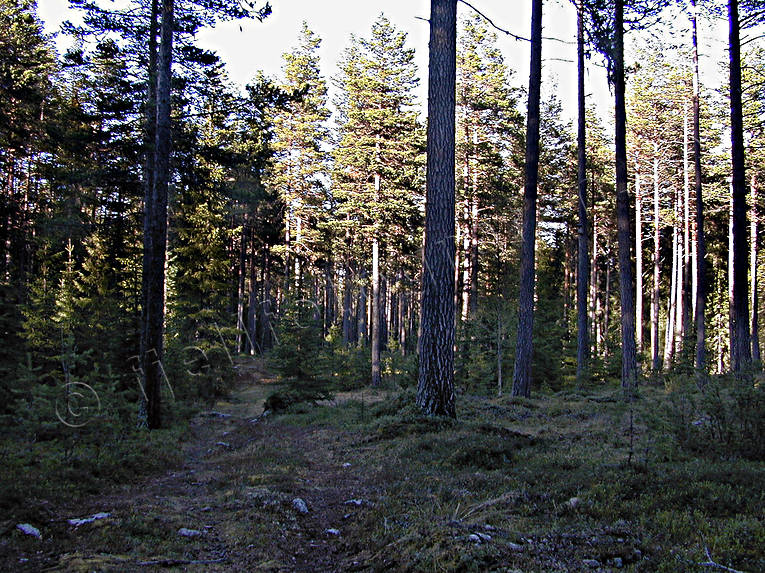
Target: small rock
column 484, row 536
column 573, row 502
column 206, row 508
column 347, row 465
column 514, row 546
column 223, row 444
column 28, row 529
column 474, row 537
column 488, row 527
column 299, row 505
column 184, row 532
column 214, row 414
column 592, row 563
column 353, row 502
column 618, row 563
column 332, row 531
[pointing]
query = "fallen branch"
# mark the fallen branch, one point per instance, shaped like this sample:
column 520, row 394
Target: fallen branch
column 711, row 563
column 175, row 562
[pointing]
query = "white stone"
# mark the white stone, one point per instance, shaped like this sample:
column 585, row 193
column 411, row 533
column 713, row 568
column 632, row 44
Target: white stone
column 299, row 505
column 332, row 531
column 184, row 532
column 28, row 529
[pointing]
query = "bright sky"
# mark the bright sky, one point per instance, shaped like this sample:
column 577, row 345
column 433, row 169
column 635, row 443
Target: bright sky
column 260, row 45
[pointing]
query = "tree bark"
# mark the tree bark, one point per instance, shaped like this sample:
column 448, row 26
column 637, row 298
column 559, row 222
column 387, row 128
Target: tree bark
column 742, row 356
column 701, row 249
column 524, row 343
column 156, row 246
column 376, row 297
column 655, row 358
column 435, row 392
column 638, row 261
column 754, row 250
column 583, row 253
column 629, row 359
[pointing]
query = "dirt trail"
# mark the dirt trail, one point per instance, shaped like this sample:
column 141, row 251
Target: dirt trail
column 241, row 475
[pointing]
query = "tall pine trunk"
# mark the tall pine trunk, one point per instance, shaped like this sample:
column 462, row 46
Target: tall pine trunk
column 155, row 241
column 753, row 272
column 655, row 358
column 638, row 260
column 583, row 252
column 435, row 391
column 626, row 289
column 524, row 343
column 701, row 249
column 742, row 356
column 376, row 298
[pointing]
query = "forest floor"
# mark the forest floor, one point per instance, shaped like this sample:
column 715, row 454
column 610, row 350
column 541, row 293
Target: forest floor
column 573, row 481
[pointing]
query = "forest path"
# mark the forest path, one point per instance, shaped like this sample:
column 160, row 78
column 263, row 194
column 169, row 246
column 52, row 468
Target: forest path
column 237, row 492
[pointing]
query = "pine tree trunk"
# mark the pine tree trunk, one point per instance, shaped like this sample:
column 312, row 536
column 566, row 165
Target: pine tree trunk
column 753, row 272
column 524, row 343
column 655, row 358
column 594, row 283
column 638, row 261
column 474, row 213
column 701, row 249
column 347, row 304
column 669, row 333
column 155, row 250
column 731, row 304
column 240, row 287
column 742, row 356
column 376, row 297
column 435, row 392
column 150, row 140
column 583, row 254
column 686, row 282
column 629, row 359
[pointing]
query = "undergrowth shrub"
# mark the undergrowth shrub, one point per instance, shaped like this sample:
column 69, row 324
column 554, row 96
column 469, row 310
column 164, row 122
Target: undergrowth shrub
column 726, row 418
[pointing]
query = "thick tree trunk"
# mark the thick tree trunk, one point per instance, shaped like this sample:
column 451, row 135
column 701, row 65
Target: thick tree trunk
column 583, row 251
column 626, row 289
column 701, row 249
column 155, row 250
column 742, row 356
column 435, row 392
column 524, row 343
column 150, row 140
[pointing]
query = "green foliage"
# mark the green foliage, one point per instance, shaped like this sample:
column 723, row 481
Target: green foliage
column 726, row 418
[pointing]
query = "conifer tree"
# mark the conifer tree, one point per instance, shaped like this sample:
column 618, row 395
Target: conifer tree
column 378, row 157
column 300, row 161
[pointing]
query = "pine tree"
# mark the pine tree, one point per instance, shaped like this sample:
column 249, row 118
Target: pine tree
column 435, row 390
column 377, row 160
column 299, row 171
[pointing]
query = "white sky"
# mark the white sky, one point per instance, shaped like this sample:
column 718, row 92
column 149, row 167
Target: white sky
column 259, row 46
